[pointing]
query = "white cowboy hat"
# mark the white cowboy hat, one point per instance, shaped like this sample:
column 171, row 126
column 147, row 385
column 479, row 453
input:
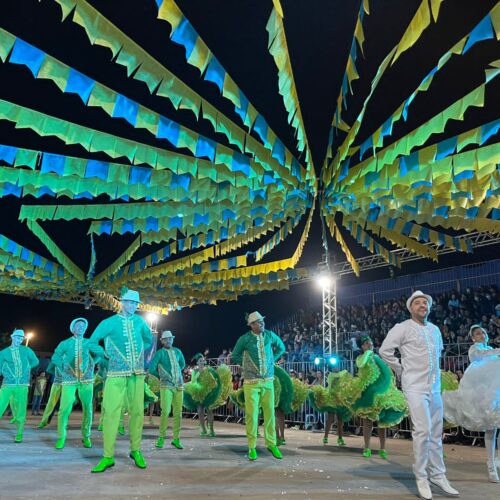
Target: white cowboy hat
column 417, row 294
column 75, row 321
column 255, row 316
column 132, row 295
column 17, row 333
column 167, row 334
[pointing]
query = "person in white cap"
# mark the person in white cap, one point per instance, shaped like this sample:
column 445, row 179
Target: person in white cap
column 16, row 363
column 126, row 337
column 76, row 358
column 167, row 364
column 256, row 352
column 420, row 344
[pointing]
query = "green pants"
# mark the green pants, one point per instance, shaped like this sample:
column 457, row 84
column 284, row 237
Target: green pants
column 68, row 396
column 260, row 394
column 116, row 390
column 171, row 399
column 122, row 417
column 55, row 394
column 17, row 397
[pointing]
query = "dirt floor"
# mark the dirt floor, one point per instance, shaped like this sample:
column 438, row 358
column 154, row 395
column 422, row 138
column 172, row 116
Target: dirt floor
column 217, row 467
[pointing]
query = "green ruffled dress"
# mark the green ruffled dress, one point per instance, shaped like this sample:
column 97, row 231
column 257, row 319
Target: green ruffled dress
column 209, row 388
column 328, row 399
column 372, row 393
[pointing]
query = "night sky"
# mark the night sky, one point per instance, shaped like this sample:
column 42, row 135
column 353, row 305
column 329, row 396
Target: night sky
column 319, row 34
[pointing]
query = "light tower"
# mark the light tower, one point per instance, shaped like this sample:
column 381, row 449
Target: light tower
column 327, row 281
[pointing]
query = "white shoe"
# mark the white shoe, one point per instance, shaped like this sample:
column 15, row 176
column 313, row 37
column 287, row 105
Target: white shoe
column 493, row 475
column 424, row 490
column 442, row 483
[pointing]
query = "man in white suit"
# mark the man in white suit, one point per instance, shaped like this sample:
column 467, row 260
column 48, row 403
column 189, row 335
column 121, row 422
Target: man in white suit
column 420, row 344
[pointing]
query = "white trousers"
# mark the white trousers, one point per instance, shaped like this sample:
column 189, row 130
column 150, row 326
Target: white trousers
column 426, row 412
column 492, row 441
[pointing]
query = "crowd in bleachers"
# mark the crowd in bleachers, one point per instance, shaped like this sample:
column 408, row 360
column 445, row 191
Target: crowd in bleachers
column 453, row 312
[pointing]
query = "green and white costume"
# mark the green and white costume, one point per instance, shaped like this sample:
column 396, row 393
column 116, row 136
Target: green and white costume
column 167, row 364
column 125, row 341
column 76, row 358
column 16, row 364
column 257, row 353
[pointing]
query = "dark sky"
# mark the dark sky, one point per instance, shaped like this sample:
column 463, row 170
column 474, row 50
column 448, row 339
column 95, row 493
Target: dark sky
column 319, row 36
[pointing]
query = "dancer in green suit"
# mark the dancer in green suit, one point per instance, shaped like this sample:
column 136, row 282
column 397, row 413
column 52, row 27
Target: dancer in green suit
column 54, row 395
column 167, row 365
column 16, row 363
column 257, row 351
column 126, row 336
column 76, row 358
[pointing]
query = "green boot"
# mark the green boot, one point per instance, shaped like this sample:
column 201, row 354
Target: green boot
column 280, row 442
column 104, row 463
column 367, row 453
column 87, row 443
column 42, row 424
column 12, row 420
column 177, row 443
column 211, row 433
column 203, row 433
column 382, row 454
column 19, row 437
column 341, row 442
column 325, row 440
column 160, row 442
column 252, row 454
column 275, row 451
column 60, row 443
column 99, row 427
column 121, row 430
column 138, row 459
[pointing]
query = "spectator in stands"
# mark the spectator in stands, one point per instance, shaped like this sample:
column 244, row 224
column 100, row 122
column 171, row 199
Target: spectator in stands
column 453, row 303
column 318, row 378
column 222, row 357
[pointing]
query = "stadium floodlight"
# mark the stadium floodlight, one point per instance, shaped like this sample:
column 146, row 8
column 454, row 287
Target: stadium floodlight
column 324, row 281
column 317, row 361
column 151, row 316
column 333, row 360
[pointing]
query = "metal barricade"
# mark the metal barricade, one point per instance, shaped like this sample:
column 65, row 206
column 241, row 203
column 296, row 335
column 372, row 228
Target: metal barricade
column 308, row 419
column 474, row 435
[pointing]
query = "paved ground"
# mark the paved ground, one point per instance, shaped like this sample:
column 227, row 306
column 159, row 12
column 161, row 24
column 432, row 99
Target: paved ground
column 217, row 468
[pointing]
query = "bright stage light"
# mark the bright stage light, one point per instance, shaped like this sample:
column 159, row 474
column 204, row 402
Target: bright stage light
column 152, row 316
column 325, row 281
column 333, row 360
column 317, row 361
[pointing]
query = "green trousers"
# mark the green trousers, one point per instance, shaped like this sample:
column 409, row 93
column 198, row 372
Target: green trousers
column 171, row 399
column 260, row 394
column 68, row 396
column 55, row 394
column 17, row 397
column 116, row 390
column 122, row 417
